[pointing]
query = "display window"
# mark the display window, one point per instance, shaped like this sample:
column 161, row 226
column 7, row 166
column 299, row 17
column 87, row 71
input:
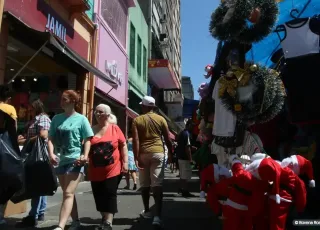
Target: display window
column 43, row 78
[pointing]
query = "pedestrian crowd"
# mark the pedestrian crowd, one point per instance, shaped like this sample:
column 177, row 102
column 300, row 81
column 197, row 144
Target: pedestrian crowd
column 75, row 147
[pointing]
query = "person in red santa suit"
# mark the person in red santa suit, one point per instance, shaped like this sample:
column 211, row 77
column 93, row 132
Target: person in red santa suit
column 300, row 166
column 214, row 182
column 287, row 188
column 235, row 210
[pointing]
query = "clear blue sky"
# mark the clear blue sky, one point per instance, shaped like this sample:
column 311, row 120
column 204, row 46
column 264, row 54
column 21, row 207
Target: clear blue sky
column 198, row 47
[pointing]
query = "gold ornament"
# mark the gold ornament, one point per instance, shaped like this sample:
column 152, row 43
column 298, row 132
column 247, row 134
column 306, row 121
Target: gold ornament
column 244, row 75
column 227, row 85
column 237, row 107
column 253, row 68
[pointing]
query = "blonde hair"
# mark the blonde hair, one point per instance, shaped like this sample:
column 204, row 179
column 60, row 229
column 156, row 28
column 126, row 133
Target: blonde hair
column 112, row 119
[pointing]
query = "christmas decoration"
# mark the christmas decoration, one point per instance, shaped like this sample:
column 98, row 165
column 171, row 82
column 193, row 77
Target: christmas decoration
column 209, row 71
column 230, row 20
column 254, row 95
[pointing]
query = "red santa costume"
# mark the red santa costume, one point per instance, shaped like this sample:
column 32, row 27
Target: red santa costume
column 287, row 188
column 300, row 166
column 214, row 182
column 235, row 210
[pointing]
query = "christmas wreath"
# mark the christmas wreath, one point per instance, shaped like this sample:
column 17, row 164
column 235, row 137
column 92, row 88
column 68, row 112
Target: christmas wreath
column 276, row 106
column 230, row 20
column 252, row 92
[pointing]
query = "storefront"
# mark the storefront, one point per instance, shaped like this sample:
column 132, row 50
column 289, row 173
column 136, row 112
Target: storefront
column 48, row 49
column 112, row 58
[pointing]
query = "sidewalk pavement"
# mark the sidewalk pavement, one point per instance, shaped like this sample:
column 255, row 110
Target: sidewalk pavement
column 178, row 212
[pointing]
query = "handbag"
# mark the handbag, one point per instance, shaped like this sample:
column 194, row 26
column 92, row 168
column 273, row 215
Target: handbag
column 39, row 176
column 11, row 169
column 236, row 140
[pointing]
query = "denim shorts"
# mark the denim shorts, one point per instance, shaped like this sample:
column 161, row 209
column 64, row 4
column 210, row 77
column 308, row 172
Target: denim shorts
column 69, row 168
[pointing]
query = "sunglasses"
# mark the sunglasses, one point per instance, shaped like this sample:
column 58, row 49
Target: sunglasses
column 98, row 112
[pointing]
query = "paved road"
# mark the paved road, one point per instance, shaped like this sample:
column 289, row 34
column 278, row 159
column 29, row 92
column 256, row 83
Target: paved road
column 179, row 213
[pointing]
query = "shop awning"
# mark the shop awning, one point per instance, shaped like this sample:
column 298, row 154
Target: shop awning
column 162, row 74
column 38, row 40
column 81, row 61
column 132, row 114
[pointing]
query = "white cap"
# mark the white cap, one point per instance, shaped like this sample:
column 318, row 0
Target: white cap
column 148, row 101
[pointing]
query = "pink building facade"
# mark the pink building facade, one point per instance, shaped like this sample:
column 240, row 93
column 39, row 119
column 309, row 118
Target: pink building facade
column 111, row 17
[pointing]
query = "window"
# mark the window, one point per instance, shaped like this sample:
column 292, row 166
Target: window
column 115, row 15
column 144, row 64
column 139, row 56
column 132, row 45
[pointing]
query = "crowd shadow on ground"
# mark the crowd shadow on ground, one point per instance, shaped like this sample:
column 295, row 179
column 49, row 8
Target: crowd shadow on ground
column 187, row 215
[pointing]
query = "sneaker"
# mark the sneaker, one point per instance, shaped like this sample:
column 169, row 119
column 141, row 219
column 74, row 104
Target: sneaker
column 28, row 222
column 41, row 217
column 104, row 226
column 157, row 221
column 134, row 187
column 58, row 228
column 75, row 225
column 146, row 215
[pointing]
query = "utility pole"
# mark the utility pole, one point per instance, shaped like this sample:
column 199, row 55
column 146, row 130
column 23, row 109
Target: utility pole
column 1, row 12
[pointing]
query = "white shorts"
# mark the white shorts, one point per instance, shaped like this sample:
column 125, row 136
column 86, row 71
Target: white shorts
column 185, row 169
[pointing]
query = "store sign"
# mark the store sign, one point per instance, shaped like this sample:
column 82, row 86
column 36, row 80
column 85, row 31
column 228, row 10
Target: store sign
column 57, row 28
column 112, row 71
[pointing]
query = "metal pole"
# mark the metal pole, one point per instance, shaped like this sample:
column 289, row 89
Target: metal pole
column 27, row 63
column 1, row 12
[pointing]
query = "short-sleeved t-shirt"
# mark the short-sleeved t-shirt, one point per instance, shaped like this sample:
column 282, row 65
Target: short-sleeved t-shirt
column 150, row 128
column 9, row 109
column 68, row 134
column 183, row 142
column 114, row 135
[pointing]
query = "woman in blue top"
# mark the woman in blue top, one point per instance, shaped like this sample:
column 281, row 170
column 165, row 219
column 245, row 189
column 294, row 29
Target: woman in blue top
column 69, row 146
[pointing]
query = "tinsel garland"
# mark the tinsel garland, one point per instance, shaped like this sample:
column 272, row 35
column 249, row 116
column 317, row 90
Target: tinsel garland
column 270, row 91
column 276, row 106
column 237, row 27
column 265, row 101
column 258, row 31
column 225, row 31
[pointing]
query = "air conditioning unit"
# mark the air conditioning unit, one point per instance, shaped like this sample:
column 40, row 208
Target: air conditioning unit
column 163, row 19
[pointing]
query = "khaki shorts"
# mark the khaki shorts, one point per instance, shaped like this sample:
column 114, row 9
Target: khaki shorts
column 152, row 174
column 185, row 169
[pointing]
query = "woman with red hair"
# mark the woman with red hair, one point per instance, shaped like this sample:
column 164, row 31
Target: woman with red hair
column 69, row 145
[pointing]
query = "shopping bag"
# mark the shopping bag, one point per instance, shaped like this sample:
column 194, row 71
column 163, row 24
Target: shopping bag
column 11, row 169
column 39, row 177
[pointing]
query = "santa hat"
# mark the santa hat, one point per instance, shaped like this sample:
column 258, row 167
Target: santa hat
column 269, row 170
column 259, row 156
column 306, row 168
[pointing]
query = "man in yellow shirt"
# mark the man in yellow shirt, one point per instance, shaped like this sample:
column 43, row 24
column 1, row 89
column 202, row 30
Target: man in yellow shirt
column 148, row 130
column 8, row 123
